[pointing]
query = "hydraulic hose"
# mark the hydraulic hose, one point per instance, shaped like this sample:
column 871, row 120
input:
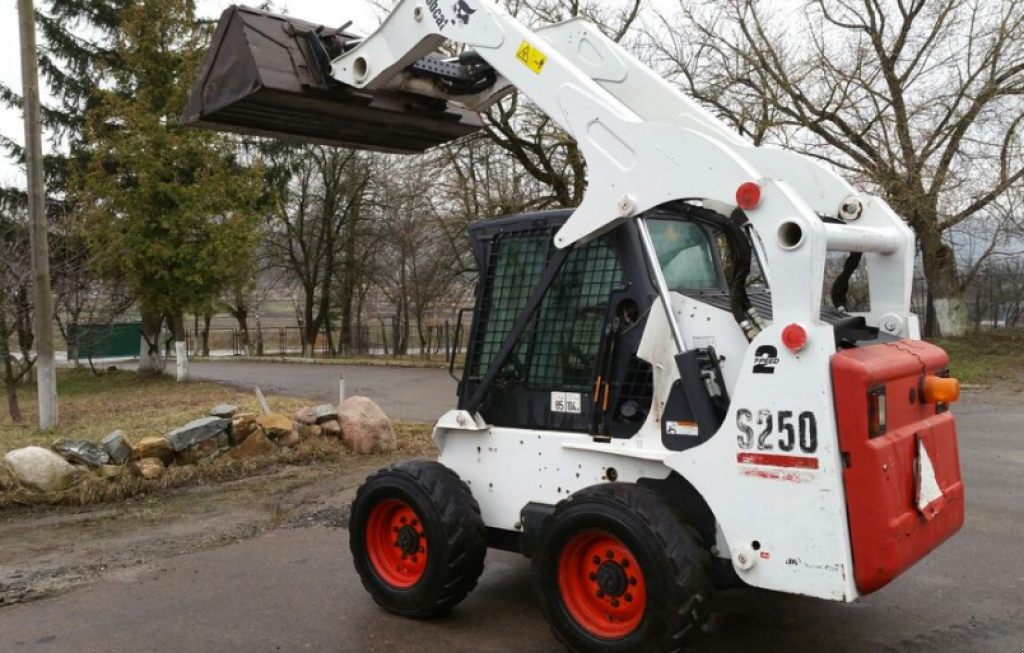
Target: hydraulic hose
column 841, row 286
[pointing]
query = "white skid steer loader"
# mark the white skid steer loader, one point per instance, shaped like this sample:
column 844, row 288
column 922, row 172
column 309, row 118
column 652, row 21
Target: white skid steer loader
column 634, row 416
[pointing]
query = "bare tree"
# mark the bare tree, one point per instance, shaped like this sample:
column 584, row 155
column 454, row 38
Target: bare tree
column 323, row 189
column 919, row 99
column 15, row 303
column 515, row 125
column 247, row 294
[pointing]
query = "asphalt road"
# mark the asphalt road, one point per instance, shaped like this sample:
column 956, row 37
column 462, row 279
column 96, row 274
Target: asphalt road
column 421, row 395
column 294, row 589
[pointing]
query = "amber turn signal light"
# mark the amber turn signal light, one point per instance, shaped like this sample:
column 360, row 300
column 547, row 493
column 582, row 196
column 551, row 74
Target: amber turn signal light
column 939, row 390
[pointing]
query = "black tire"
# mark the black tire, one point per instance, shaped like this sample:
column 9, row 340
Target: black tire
column 452, row 532
column 674, row 564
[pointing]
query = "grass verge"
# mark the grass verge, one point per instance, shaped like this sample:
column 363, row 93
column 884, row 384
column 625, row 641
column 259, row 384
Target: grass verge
column 413, row 442
column 987, row 358
column 93, row 406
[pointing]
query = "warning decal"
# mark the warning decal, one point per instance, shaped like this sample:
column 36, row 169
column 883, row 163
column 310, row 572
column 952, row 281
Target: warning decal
column 533, row 58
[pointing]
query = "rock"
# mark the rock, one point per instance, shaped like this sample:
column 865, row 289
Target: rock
column 316, row 431
column 118, row 447
column 154, row 447
column 365, row 429
column 150, row 468
column 110, row 471
column 257, row 444
column 207, row 428
column 289, row 440
column 242, row 427
column 193, row 455
column 326, row 413
column 40, row 469
column 331, row 429
column 303, row 431
column 240, row 436
column 275, row 425
column 81, row 452
column 224, row 411
column 305, row 416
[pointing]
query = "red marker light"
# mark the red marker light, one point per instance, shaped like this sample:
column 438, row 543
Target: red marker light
column 748, row 196
column 794, row 337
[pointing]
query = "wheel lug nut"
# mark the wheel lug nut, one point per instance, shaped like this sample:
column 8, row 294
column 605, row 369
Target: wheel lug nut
column 403, row 520
column 597, row 560
column 610, row 555
column 632, row 580
column 600, row 594
column 615, row 603
column 629, row 598
column 625, row 562
column 592, row 576
column 415, row 559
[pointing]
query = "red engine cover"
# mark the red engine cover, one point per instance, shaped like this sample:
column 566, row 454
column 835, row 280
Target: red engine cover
column 888, row 530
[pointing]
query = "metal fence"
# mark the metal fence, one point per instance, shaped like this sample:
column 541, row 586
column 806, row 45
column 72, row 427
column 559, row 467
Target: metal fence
column 381, row 339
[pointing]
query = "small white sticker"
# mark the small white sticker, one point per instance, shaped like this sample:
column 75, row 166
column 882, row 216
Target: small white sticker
column 703, row 342
column 566, row 402
column 681, row 428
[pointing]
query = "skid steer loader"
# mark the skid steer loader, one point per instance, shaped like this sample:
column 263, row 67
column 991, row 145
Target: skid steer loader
column 635, row 414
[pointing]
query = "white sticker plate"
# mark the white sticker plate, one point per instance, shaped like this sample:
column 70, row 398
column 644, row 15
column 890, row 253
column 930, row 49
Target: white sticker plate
column 566, row 402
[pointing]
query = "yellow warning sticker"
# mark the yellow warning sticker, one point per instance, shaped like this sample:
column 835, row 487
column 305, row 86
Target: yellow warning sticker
column 533, row 58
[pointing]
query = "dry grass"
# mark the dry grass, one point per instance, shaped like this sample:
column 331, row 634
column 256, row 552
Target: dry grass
column 91, row 407
column 413, row 442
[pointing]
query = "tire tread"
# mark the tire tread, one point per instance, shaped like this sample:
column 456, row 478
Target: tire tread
column 463, row 527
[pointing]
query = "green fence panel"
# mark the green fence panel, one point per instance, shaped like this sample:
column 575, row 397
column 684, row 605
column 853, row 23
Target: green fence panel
column 107, row 340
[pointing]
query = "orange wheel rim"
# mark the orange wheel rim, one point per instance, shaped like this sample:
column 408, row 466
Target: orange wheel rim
column 602, row 585
column 396, row 543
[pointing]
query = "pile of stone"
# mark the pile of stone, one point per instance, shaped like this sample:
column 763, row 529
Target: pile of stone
column 358, row 423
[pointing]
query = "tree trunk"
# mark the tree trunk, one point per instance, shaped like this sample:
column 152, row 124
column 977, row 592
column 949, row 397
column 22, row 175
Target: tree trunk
column 345, row 339
column 180, row 348
column 309, row 326
column 242, row 317
column 207, row 318
column 10, row 379
column 150, row 361
column 944, row 283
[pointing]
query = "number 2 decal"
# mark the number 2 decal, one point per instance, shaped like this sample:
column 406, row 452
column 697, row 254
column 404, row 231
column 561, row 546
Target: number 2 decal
column 802, row 432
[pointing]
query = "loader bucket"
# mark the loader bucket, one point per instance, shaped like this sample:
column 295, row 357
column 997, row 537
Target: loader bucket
column 262, row 77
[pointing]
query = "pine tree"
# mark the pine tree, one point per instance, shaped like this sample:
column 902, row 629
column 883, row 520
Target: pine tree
column 168, row 208
column 76, row 40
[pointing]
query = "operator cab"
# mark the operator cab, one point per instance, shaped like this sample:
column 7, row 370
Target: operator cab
column 574, row 366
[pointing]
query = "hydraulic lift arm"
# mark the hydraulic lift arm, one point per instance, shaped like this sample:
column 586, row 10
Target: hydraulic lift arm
column 629, row 159
column 646, row 143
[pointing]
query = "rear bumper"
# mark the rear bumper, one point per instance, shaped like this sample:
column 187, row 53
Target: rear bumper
column 891, row 525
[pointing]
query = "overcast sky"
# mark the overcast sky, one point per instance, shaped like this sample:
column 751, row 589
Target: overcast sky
column 318, row 11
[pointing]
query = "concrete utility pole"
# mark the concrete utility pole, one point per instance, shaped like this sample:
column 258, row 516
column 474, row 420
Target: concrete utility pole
column 46, row 372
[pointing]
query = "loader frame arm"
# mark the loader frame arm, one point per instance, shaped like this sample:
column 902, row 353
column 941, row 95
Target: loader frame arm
column 646, row 144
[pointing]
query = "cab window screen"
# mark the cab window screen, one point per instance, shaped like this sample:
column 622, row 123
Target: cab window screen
column 685, row 254
column 570, row 323
column 514, row 266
